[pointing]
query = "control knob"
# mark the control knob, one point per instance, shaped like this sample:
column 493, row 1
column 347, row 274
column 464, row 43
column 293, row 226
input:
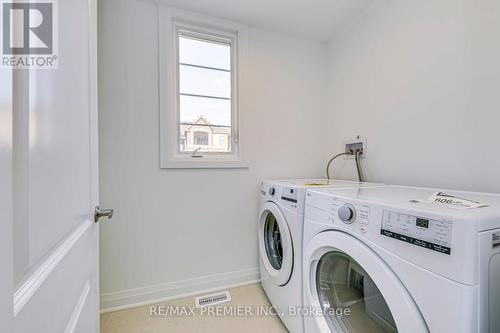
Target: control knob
column 272, row 191
column 347, row 213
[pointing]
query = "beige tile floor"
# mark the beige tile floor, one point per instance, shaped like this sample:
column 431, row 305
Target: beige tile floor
column 139, row 320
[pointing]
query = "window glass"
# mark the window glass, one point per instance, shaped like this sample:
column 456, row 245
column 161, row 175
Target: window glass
column 206, row 82
column 204, row 53
column 204, row 94
column 200, row 138
column 214, row 110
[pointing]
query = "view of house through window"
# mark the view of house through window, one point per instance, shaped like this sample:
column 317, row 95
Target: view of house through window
column 204, row 93
column 200, row 138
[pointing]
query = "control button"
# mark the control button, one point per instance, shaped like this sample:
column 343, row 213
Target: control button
column 272, row 191
column 362, row 229
column 347, row 213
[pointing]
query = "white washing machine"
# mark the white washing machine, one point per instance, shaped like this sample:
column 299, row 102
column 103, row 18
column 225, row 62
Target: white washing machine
column 280, row 226
column 386, row 259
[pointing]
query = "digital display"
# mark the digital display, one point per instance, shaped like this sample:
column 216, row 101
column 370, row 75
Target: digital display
column 434, row 235
column 422, row 223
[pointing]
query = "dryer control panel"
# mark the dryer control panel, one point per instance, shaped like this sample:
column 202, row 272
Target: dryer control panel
column 420, row 231
column 359, row 214
column 389, row 220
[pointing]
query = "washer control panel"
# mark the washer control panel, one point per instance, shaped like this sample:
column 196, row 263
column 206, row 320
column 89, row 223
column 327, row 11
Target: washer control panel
column 272, row 191
column 431, row 234
column 289, row 194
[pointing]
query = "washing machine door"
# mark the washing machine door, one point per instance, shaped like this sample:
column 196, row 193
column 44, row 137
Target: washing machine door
column 351, row 289
column 275, row 244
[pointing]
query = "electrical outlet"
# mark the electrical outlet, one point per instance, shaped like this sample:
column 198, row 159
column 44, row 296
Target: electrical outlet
column 357, row 144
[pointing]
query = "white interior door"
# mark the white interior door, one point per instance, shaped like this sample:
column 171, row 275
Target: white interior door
column 6, row 306
column 49, row 146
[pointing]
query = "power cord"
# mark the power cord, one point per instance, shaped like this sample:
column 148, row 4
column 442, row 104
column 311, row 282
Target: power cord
column 357, row 159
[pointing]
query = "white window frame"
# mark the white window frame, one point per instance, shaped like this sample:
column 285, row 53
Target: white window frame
column 171, row 21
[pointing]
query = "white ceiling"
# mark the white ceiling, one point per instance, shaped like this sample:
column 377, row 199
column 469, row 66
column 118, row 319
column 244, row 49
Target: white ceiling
column 316, row 19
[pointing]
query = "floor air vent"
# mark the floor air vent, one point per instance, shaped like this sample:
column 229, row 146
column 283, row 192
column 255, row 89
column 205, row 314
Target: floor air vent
column 213, row 299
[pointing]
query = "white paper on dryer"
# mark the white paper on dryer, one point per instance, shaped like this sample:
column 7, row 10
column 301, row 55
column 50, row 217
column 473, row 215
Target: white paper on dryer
column 452, row 201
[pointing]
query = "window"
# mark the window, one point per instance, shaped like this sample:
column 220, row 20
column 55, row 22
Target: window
column 201, row 67
column 222, row 141
column 200, row 138
column 204, row 69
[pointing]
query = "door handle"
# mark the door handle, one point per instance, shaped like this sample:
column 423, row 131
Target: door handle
column 98, row 213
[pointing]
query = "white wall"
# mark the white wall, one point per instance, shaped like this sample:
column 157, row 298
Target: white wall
column 178, row 231
column 421, row 80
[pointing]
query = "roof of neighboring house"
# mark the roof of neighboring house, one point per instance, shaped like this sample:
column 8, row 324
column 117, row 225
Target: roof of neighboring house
column 202, row 121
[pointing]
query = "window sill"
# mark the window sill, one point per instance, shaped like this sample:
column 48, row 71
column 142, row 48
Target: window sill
column 204, row 163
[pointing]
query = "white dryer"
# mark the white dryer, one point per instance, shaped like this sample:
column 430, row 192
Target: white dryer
column 386, row 259
column 280, row 226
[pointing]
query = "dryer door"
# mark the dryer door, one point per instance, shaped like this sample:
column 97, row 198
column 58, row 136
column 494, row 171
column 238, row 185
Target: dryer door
column 275, row 244
column 351, row 289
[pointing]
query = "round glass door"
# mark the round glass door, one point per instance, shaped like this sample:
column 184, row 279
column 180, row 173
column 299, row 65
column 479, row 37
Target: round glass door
column 275, row 244
column 344, row 287
column 273, row 241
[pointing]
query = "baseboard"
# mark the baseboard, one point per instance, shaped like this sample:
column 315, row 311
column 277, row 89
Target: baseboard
column 131, row 298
